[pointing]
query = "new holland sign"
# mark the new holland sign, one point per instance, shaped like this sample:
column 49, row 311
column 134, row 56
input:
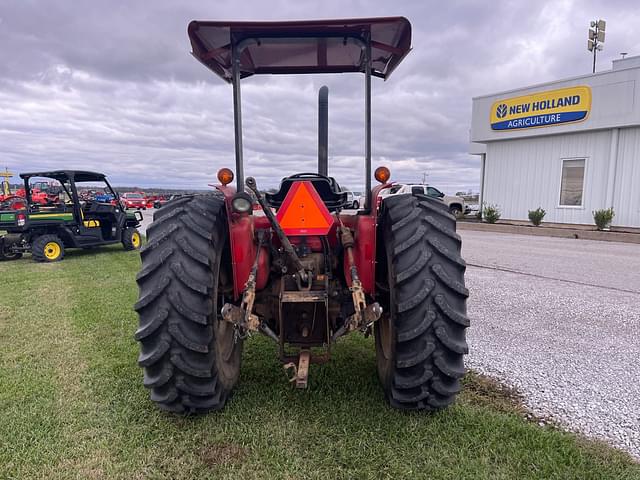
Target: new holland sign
column 553, row 107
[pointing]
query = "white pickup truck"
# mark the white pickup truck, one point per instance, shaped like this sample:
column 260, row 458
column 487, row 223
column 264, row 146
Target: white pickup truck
column 456, row 204
column 355, row 200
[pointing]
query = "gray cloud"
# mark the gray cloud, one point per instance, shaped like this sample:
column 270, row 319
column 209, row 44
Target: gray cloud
column 110, row 85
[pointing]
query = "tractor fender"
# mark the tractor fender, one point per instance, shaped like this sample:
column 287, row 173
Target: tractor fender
column 364, row 250
column 243, row 246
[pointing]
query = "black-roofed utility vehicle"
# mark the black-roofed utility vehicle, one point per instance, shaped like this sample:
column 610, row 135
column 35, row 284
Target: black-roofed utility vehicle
column 46, row 231
column 300, row 269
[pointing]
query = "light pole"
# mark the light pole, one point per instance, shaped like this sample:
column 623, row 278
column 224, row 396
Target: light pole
column 596, row 39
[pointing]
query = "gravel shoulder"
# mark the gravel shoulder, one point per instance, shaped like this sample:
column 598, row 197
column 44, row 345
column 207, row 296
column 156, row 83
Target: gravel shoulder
column 559, row 319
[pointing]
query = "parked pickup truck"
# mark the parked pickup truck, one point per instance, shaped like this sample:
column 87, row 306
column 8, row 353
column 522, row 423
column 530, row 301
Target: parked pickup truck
column 456, row 204
column 355, row 200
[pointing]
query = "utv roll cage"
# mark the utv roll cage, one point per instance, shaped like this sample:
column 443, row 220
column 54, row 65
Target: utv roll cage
column 237, row 50
column 72, row 176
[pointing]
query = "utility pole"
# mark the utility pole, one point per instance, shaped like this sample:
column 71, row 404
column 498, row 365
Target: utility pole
column 596, row 39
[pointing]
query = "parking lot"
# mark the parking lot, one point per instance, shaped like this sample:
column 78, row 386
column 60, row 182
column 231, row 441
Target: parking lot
column 147, row 218
column 559, row 319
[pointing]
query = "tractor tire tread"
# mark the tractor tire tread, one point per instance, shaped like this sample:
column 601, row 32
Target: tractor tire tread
column 153, row 325
column 429, row 315
column 154, row 263
column 406, row 334
column 442, row 228
column 175, row 306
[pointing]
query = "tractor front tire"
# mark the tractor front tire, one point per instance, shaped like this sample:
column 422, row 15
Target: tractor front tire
column 420, row 342
column 131, row 239
column 47, row 248
column 190, row 355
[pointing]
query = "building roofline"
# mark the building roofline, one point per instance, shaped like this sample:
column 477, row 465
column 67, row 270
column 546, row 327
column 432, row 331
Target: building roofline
column 554, row 82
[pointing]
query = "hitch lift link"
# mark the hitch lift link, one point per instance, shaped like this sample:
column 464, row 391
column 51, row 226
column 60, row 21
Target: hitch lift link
column 364, row 315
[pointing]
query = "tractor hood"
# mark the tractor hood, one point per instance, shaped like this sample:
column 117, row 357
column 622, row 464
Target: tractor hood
column 293, row 47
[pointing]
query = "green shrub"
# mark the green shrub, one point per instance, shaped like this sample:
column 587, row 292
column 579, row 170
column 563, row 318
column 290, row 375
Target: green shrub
column 603, row 218
column 536, row 216
column 491, row 213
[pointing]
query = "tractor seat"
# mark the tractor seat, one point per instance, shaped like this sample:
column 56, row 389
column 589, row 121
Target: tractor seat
column 327, row 189
column 91, row 223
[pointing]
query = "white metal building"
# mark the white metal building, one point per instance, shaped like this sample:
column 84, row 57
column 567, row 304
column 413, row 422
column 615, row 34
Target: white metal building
column 570, row 146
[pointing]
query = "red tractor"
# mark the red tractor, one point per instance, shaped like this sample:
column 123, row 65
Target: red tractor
column 42, row 193
column 301, row 271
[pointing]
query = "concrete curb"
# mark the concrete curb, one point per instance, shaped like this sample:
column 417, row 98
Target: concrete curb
column 552, row 232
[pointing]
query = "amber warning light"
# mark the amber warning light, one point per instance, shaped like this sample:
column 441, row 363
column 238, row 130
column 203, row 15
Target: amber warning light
column 303, row 212
column 225, row 176
column 382, row 174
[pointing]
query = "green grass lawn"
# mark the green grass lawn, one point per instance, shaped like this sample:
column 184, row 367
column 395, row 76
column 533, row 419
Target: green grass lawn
column 72, row 404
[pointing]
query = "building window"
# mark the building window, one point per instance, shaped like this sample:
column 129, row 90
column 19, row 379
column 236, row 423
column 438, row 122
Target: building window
column 572, row 183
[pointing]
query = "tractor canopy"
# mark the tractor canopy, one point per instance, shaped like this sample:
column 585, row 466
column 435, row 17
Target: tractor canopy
column 294, row 47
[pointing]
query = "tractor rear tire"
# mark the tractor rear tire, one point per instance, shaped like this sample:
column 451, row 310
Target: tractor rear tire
column 191, row 357
column 47, row 248
column 131, row 239
column 420, row 343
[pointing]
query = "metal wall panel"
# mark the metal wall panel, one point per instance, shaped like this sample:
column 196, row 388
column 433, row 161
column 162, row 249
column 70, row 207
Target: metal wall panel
column 626, row 197
column 524, row 174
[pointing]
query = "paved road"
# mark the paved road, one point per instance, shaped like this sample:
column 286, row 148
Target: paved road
column 147, row 218
column 559, row 319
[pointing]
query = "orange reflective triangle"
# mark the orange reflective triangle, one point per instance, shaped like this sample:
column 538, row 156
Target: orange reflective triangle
column 303, row 212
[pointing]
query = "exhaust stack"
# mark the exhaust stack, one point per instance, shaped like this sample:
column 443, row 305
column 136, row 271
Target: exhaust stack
column 323, row 131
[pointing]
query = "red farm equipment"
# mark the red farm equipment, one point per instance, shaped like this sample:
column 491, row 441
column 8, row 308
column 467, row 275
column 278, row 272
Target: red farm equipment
column 301, row 271
column 9, row 201
column 41, row 193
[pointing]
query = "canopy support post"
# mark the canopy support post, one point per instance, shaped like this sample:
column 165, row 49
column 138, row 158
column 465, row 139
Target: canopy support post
column 367, row 122
column 237, row 116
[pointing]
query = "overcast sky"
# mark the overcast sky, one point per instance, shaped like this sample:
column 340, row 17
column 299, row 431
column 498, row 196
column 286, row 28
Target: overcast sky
column 110, row 86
